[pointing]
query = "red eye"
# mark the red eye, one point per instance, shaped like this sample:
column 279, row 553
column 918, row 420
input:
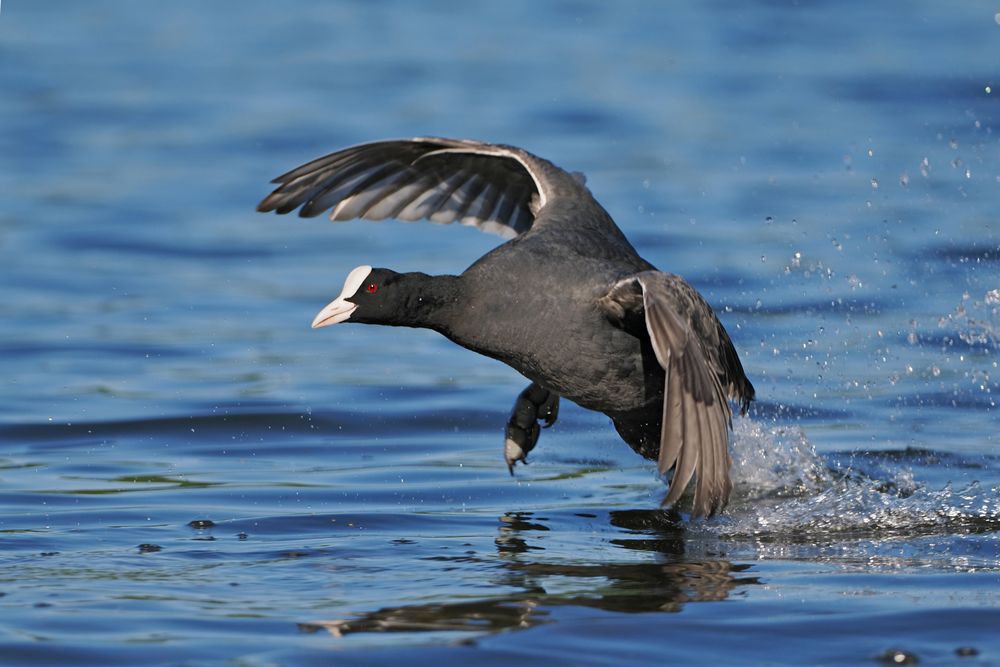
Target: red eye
column 371, row 288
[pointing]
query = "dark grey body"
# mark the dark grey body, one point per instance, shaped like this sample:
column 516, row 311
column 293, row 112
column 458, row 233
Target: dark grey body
column 555, row 334
column 567, row 301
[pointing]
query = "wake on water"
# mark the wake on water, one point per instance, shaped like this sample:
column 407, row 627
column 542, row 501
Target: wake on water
column 789, row 498
column 786, row 492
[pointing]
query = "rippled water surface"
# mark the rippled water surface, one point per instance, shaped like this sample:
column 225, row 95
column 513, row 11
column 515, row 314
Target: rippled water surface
column 190, row 475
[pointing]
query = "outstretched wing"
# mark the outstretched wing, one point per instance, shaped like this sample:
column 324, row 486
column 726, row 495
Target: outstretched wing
column 496, row 188
column 698, row 359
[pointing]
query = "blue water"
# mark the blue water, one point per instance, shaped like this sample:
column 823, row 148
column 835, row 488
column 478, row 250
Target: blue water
column 190, row 475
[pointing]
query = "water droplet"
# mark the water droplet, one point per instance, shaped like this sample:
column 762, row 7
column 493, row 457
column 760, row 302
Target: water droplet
column 904, row 179
column 935, row 371
column 874, row 183
column 898, row 657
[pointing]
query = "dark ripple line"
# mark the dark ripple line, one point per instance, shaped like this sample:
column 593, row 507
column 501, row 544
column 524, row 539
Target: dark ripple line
column 769, row 411
column 940, row 341
column 924, row 456
column 914, row 89
column 115, row 349
column 961, row 254
column 867, row 306
column 159, row 249
column 249, row 425
column 965, row 398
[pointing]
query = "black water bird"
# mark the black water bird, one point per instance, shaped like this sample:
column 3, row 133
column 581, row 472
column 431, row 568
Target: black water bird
column 566, row 301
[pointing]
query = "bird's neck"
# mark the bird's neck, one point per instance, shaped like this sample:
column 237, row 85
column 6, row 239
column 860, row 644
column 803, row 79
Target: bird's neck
column 432, row 302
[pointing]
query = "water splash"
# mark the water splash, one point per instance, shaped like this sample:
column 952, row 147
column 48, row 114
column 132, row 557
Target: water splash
column 786, row 492
column 775, row 462
column 977, row 320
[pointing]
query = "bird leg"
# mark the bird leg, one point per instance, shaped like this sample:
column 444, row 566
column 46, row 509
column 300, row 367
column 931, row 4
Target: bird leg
column 533, row 405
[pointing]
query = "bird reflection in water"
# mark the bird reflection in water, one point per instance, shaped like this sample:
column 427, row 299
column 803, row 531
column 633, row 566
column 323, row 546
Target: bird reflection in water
column 664, row 583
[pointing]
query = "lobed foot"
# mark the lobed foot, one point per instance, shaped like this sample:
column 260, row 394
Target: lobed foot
column 534, row 404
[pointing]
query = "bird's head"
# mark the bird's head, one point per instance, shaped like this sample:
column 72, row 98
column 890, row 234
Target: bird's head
column 368, row 297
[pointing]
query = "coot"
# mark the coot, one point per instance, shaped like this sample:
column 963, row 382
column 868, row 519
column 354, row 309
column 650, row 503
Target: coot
column 566, row 300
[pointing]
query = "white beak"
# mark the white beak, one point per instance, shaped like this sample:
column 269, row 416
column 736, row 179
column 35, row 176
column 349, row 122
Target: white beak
column 335, row 312
column 340, row 308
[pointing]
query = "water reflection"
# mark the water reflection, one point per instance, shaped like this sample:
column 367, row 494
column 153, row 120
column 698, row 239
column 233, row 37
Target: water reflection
column 664, row 581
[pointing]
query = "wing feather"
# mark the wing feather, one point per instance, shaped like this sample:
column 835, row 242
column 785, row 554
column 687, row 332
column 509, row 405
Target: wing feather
column 673, row 421
column 488, row 186
column 394, row 202
column 369, row 192
column 698, row 370
column 425, row 205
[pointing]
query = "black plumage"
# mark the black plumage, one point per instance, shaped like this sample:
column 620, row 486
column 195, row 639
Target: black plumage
column 566, row 301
